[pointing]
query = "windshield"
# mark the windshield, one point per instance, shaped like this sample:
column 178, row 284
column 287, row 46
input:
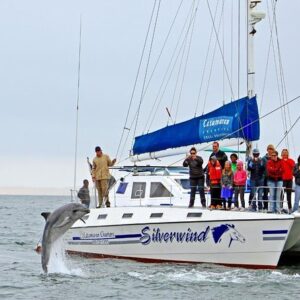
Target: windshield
column 185, row 183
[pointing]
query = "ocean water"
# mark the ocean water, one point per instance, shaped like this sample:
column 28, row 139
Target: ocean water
column 21, row 275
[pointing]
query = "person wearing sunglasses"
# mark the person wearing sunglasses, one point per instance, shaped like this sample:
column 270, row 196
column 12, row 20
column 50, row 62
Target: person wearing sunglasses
column 274, row 180
column 195, row 164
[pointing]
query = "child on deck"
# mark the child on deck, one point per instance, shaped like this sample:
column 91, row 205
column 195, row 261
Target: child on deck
column 239, row 179
column 227, row 183
column 214, row 173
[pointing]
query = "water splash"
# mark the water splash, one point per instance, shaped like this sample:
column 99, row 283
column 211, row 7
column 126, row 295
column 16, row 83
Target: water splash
column 59, row 261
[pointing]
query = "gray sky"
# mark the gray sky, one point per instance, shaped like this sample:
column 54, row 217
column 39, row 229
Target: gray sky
column 38, row 79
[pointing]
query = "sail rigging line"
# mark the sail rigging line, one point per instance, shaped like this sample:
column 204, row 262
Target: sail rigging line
column 204, row 68
column 224, row 65
column 231, row 45
column 249, row 124
column 220, row 49
column 125, row 127
column 268, row 59
column 277, row 72
column 222, row 55
column 212, row 63
column 153, row 112
column 77, row 106
column 163, row 47
column 286, row 133
column 191, row 26
column 283, row 84
column 147, row 67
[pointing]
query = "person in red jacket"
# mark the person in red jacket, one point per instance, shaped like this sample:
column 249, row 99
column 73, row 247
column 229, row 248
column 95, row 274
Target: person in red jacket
column 287, row 176
column 274, row 176
column 214, row 174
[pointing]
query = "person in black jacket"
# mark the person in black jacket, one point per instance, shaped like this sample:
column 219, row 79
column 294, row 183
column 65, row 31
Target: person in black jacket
column 219, row 154
column 195, row 164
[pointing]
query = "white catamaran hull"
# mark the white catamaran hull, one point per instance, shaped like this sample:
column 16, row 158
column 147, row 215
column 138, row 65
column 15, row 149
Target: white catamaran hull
column 178, row 234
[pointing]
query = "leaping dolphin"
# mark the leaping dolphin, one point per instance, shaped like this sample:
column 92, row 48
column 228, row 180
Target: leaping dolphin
column 57, row 223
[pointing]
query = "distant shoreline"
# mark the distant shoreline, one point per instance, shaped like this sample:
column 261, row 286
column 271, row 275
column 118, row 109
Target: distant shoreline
column 32, row 191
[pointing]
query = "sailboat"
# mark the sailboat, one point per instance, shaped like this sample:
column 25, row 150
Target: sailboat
column 149, row 219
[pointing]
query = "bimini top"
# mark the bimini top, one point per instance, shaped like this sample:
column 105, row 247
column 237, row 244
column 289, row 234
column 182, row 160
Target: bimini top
column 238, row 119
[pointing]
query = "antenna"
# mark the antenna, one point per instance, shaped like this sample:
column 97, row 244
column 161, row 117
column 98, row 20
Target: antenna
column 77, row 104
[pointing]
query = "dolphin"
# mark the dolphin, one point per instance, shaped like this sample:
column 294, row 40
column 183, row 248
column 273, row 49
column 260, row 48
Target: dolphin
column 57, row 223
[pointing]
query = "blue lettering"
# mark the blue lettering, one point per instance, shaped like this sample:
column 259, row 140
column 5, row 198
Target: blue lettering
column 145, row 238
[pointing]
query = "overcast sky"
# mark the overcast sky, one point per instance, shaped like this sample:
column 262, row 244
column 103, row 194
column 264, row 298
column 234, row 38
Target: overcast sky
column 38, row 79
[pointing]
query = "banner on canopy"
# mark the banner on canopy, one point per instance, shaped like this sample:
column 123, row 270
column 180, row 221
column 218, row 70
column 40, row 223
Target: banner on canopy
column 238, row 119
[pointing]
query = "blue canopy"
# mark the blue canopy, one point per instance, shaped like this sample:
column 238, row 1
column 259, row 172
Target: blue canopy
column 238, row 119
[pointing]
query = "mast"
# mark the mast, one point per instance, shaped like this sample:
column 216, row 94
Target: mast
column 253, row 17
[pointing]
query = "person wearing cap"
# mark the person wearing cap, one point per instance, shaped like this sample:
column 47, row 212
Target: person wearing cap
column 195, row 164
column 214, row 174
column 101, row 175
column 219, row 154
column 287, row 177
column 256, row 168
column 265, row 159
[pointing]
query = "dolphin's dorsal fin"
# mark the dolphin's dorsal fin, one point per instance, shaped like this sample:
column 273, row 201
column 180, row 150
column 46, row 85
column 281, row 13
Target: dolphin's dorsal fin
column 63, row 223
column 45, row 215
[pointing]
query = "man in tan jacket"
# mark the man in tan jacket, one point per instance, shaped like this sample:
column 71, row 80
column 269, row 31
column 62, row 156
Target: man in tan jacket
column 100, row 175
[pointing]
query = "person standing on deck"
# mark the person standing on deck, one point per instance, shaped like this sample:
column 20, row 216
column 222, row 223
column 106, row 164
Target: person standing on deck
column 287, row 177
column 219, row 154
column 257, row 169
column 274, row 175
column 214, row 174
column 296, row 173
column 239, row 179
column 84, row 194
column 266, row 158
column 100, row 175
column 195, row 164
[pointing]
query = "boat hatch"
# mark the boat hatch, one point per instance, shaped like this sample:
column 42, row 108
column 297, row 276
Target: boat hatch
column 101, row 217
column 156, row 215
column 194, row 215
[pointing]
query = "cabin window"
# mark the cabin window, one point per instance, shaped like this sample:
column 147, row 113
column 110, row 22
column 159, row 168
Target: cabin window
column 194, row 215
column 156, row 215
column 157, row 189
column 185, row 183
column 138, row 190
column 127, row 216
column 122, row 188
column 101, row 217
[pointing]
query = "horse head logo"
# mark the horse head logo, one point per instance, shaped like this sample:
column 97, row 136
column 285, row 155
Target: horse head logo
column 226, row 231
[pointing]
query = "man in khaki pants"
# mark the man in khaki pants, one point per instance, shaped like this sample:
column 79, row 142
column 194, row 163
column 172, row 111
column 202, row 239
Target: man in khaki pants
column 100, row 175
